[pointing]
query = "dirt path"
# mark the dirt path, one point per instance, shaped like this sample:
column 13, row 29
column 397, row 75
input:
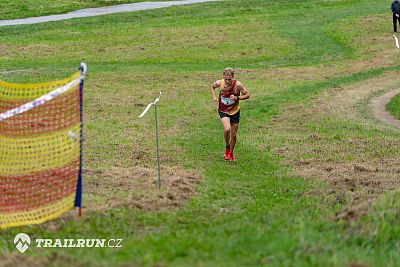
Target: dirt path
column 90, row 12
column 379, row 108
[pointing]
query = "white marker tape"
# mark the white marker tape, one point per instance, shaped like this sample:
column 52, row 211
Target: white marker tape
column 397, row 41
column 39, row 101
column 149, row 105
column 73, row 135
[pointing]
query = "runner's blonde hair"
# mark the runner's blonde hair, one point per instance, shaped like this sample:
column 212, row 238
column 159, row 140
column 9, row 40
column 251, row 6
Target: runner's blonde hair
column 228, row 71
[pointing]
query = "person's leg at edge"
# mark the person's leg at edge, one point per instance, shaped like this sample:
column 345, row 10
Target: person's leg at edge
column 227, row 135
column 234, row 130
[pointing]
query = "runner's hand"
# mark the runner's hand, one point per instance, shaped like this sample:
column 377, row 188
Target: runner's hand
column 215, row 101
column 233, row 97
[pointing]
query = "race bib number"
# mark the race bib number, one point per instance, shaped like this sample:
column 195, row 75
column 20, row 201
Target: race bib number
column 227, row 101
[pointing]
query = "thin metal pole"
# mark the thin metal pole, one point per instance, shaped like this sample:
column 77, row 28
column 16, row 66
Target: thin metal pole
column 158, row 149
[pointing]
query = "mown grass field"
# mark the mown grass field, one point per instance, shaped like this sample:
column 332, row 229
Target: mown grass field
column 393, row 106
column 316, row 178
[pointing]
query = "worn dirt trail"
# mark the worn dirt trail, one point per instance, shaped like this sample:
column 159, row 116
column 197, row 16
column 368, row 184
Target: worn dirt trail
column 379, row 108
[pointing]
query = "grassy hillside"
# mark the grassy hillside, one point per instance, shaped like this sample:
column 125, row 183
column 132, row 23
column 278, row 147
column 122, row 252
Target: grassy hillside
column 315, row 177
column 393, row 106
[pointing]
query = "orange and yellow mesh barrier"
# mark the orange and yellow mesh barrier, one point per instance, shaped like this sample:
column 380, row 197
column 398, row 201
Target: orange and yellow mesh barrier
column 40, row 150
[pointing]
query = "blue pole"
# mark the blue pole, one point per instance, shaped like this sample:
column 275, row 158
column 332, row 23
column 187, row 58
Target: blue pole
column 78, row 196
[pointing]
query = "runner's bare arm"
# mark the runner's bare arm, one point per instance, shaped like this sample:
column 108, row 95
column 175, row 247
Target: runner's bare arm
column 216, row 84
column 244, row 94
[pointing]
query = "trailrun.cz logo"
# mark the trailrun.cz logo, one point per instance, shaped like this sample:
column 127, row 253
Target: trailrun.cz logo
column 22, row 242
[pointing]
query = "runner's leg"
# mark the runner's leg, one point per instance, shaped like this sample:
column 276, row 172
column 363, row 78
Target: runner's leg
column 234, row 129
column 227, row 130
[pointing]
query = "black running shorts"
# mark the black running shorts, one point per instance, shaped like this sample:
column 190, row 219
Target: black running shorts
column 234, row 118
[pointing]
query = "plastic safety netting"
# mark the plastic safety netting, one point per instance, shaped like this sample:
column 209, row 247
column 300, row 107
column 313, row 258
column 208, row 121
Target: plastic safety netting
column 40, row 150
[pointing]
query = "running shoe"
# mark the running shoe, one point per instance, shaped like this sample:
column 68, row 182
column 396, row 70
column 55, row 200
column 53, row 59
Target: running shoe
column 227, row 153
